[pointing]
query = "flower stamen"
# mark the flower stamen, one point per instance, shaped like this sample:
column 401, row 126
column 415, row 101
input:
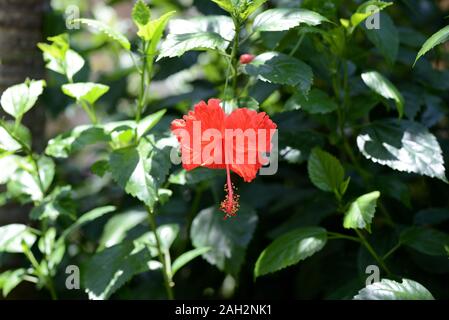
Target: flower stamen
column 230, row 205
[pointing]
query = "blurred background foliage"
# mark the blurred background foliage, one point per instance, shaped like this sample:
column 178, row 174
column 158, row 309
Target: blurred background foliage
column 284, row 201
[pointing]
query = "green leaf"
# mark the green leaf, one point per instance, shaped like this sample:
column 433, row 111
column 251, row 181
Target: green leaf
column 12, row 236
column 167, row 235
column 116, row 228
column 100, row 167
column 226, row 5
column 111, row 33
column 122, row 138
column 59, row 57
column 221, row 25
column 147, row 123
column 18, row 131
column 86, row 218
column 47, row 241
column 11, row 279
column 289, row 249
column 425, row 240
column 73, row 63
column 195, row 176
column 199, row 33
column 9, row 164
column 7, row 142
column 279, row 68
column 240, row 8
column 85, row 91
column 70, row 142
column 109, row 269
column 18, row 99
column 248, row 102
column 25, row 181
column 58, row 203
column 436, row 39
column 382, row 86
column 363, row 11
column 228, row 239
column 57, row 49
column 140, row 13
column 431, row 216
column 316, row 101
column 361, row 212
column 153, row 30
column 164, row 195
column 404, row 146
column 386, row 38
column 281, row 19
column 392, row 290
column 248, row 7
column 186, row 257
column 326, row 172
column 140, row 171
column 175, row 45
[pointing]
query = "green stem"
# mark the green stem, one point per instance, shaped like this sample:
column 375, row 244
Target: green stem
column 17, row 123
column 51, row 288
column 234, row 59
column 373, row 253
column 228, row 71
column 392, row 250
column 48, row 280
column 336, row 235
column 90, row 111
column 298, row 44
column 142, row 94
column 341, row 115
column 245, row 90
column 165, row 269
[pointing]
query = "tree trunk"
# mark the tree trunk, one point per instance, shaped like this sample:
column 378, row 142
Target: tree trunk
column 20, row 31
column 21, row 24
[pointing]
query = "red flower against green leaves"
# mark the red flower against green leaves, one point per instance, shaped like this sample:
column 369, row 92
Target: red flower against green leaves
column 236, row 142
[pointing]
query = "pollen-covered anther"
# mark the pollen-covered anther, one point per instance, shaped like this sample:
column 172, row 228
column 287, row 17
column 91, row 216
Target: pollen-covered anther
column 230, row 205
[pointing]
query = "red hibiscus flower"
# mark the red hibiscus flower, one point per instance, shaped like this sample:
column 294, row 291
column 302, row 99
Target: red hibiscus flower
column 236, row 142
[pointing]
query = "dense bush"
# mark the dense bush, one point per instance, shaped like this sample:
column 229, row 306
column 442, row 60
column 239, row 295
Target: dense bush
column 360, row 191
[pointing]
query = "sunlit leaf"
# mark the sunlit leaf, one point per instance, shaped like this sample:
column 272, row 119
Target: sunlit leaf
column 437, row 38
column 404, row 146
column 11, row 279
column 175, row 45
column 289, row 249
column 140, row 13
column 392, row 290
column 281, row 19
column 186, row 257
column 140, row 171
column 18, row 99
column 361, row 211
column 85, row 91
column 381, row 85
column 12, row 235
column 107, row 30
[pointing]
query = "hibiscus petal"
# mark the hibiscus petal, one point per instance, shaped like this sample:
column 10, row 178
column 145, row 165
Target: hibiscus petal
column 257, row 130
column 198, row 129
